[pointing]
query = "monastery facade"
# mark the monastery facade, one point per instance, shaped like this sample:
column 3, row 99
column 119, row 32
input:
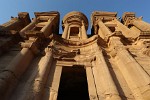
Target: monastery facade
column 38, row 63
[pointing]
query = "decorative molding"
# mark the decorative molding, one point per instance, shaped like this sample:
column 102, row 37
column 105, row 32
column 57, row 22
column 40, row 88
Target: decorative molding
column 75, row 44
column 32, row 44
column 78, row 16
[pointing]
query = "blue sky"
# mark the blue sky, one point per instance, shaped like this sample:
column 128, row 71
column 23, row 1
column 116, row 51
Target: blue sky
column 10, row 8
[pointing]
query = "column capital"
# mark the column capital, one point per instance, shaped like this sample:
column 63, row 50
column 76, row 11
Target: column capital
column 115, row 46
column 48, row 49
column 32, row 44
column 83, row 23
column 84, row 35
column 65, row 24
column 65, row 29
column 129, row 17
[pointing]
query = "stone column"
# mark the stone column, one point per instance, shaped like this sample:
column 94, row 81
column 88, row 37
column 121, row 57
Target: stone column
column 10, row 75
column 28, row 27
column 55, row 83
column 105, row 31
column 65, row 33
column 125, row 30
column 100, row 33
column 135, row 76
column 106, row 88
column 80, row 33
column 91, row 84
column 83, row 31
column 47, row 27
column 41, row 78
column 68, row 35
column 97, row 81
column 141, row 25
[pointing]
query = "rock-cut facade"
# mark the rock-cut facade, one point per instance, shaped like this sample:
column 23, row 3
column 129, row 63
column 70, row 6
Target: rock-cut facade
column 39, row 63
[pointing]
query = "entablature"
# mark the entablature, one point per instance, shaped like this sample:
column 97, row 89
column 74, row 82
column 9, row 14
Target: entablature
column 51, row 13
column 104, row 16
column 75, row 44
column 128, row 16
column 68, row 50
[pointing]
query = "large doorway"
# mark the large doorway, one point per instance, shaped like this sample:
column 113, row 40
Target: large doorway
column 73, row 84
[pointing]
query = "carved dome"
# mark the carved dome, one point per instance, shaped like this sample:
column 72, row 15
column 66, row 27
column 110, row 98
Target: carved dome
column 75, row 16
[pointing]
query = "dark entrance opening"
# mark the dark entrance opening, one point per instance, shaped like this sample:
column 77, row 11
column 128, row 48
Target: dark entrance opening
column 74, row 31
column 73, row 84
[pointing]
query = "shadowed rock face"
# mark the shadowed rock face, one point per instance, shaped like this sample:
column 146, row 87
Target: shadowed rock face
column 38, row 63
column 73, row 83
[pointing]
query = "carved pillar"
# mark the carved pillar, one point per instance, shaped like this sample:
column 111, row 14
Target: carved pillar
column 14, row 71
column 141, row 25
column 125, row 30
column 68, row 34
column 84, row 35
column 105, row 31
column 41, row 78
column 104, row 83
column 80, row 33
column 100, row 33
column 135, row 76
column 91, row 84
column 55, row 83
column 16, row 68
column 28, row 27
column 65, row 33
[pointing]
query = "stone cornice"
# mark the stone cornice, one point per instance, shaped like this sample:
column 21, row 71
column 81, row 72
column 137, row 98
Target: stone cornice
column 24, row 17
column 104, row 16
column 51, row 13
column 128, row 17
column 103, row 13
column 75, row 16
column 76, row 44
